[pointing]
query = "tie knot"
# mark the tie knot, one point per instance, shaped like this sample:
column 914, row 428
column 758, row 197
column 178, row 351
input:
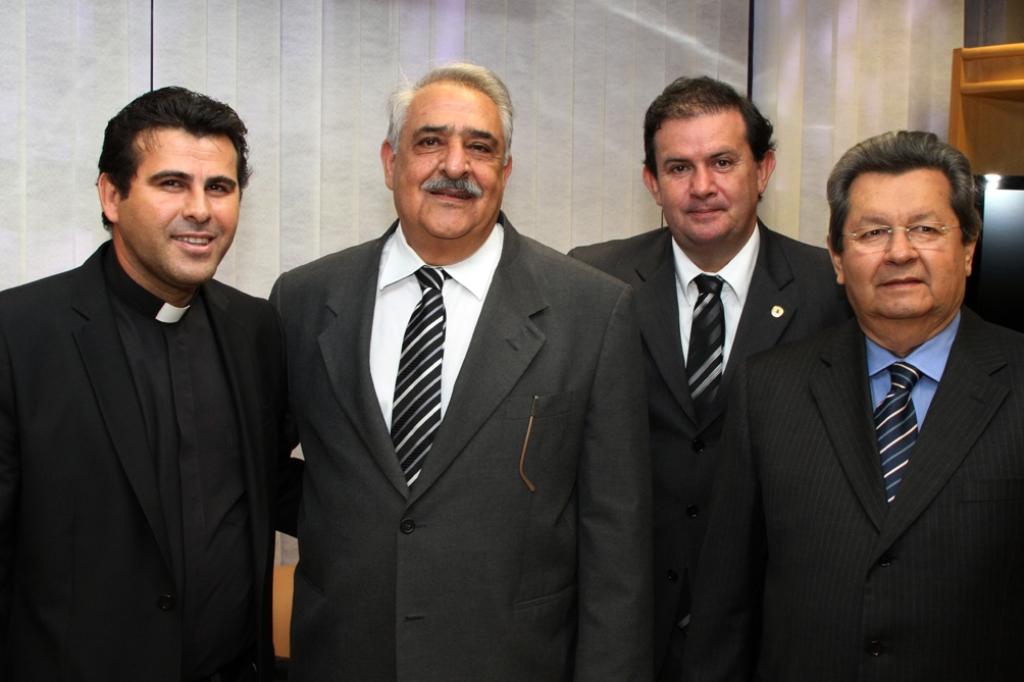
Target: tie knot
column 903, row 375
column 431, row 278
column 709, row 284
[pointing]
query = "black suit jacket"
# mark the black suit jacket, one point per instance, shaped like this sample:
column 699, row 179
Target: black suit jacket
column 788, row 275
column 470, row 575
column 808, row 574
column 86, row 586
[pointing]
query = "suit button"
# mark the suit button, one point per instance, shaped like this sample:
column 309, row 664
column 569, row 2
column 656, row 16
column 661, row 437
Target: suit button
column 698, row 445
column 693, row 511
column 407, row 526
column 885, row 561
column 875, row 647
column 672, row 576
column 165, row 602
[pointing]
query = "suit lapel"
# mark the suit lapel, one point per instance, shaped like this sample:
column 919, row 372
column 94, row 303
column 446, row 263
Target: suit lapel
column 840, row 389
column 504, row 344
column 345, row 347
column 771, row 304
column 103, row 355
column 657, row 311
column 967, row 398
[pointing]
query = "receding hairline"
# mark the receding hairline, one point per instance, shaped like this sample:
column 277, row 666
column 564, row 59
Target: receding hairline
column 497, row 135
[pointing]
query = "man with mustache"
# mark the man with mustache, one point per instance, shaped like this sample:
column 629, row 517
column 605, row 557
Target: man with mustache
column 141, row 443
column 867, row 523
column 470, row 405
column 712, row 288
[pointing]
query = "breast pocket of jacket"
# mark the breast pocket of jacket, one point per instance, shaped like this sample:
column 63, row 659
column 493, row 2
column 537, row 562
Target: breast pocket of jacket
column 538, row 429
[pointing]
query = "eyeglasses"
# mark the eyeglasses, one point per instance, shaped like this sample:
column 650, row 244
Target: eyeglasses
column 921, row 235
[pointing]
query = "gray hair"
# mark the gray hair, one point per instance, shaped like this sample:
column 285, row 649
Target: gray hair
column 469, row 75
column 894, row 153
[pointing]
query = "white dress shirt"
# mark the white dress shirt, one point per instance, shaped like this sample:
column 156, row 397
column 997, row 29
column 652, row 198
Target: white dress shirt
column 398, row 292
column 736, row 274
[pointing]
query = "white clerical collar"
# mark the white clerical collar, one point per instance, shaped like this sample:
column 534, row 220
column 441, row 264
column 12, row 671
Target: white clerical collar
column 399, row 261
column 169, row 314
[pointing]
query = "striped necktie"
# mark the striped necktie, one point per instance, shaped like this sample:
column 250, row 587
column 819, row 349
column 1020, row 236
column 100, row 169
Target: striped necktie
column 416, row 412
column 707, row 335
column 896, row 426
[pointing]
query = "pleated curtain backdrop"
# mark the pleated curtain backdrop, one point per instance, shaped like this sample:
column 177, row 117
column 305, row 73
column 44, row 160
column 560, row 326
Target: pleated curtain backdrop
column 311, row 78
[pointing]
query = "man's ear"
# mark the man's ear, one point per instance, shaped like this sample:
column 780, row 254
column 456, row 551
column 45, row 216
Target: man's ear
column 969, row 256
column 765, row 168
column 652, row 185
column 837, row 263
column 387, row 158
column 110, row 197
column 506, row 171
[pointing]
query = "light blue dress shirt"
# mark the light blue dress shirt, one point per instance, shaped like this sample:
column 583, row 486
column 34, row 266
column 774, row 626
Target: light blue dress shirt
column 929, row 358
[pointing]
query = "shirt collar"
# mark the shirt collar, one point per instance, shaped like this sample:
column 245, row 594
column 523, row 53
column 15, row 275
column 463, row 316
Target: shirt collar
column 737, row 273
column 930, row 357
column 135, row 296
column 399, row 261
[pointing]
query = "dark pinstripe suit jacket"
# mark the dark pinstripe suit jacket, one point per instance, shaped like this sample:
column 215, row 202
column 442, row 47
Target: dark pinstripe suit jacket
column 809, row 575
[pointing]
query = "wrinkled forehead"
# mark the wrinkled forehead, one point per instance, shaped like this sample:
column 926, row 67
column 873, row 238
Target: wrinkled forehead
column 454, row 107
column 900, row 198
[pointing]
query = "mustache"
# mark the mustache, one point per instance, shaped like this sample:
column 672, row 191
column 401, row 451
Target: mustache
column 705, row 206
column 465, row 185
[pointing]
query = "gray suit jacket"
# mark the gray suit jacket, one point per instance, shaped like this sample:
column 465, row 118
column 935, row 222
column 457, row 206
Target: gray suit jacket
column 808, row 574
column 788, row 274
column 469, row 575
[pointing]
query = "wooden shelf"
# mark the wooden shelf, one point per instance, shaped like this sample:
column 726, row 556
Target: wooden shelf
column 986, row 107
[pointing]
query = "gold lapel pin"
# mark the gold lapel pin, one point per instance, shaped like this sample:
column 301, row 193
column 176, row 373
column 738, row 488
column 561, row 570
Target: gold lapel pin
column 778, row 311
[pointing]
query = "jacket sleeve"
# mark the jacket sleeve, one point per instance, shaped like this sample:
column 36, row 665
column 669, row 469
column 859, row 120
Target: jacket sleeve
column 614, row 550
column 289, row 468
column 10, row 483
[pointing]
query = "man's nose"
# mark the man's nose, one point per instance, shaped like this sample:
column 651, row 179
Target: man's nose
column 197, row 206
column 702, row 182
column 900, row 249
column 456, row 162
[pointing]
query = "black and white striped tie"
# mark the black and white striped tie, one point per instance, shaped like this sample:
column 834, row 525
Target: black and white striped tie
column 416, row 412
column 896, row 426
column 707, row 337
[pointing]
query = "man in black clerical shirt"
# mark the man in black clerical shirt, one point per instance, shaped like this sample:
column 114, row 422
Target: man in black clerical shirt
column 143, row 456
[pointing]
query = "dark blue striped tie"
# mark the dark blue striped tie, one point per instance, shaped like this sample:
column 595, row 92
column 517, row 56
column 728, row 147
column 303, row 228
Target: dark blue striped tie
column 707, row 336
column 896, row 426
column 416, row 412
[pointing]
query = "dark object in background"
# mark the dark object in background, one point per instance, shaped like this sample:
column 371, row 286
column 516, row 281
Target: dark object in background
column 995, row 290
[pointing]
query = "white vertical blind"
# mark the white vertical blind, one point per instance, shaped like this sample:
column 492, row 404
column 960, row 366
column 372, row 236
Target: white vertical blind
column 62, row 65
column 311, row 78
column 830, row 73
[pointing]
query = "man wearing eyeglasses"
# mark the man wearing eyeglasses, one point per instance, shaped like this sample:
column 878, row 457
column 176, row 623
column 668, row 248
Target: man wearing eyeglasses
column 868, row 521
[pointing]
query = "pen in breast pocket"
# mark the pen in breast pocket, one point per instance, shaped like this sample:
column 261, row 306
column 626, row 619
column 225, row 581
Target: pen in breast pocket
column 526, row 442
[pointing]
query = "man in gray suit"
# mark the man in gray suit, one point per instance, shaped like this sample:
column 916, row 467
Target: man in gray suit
column 867, row 524
column 470, row 405
column 709, row 155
